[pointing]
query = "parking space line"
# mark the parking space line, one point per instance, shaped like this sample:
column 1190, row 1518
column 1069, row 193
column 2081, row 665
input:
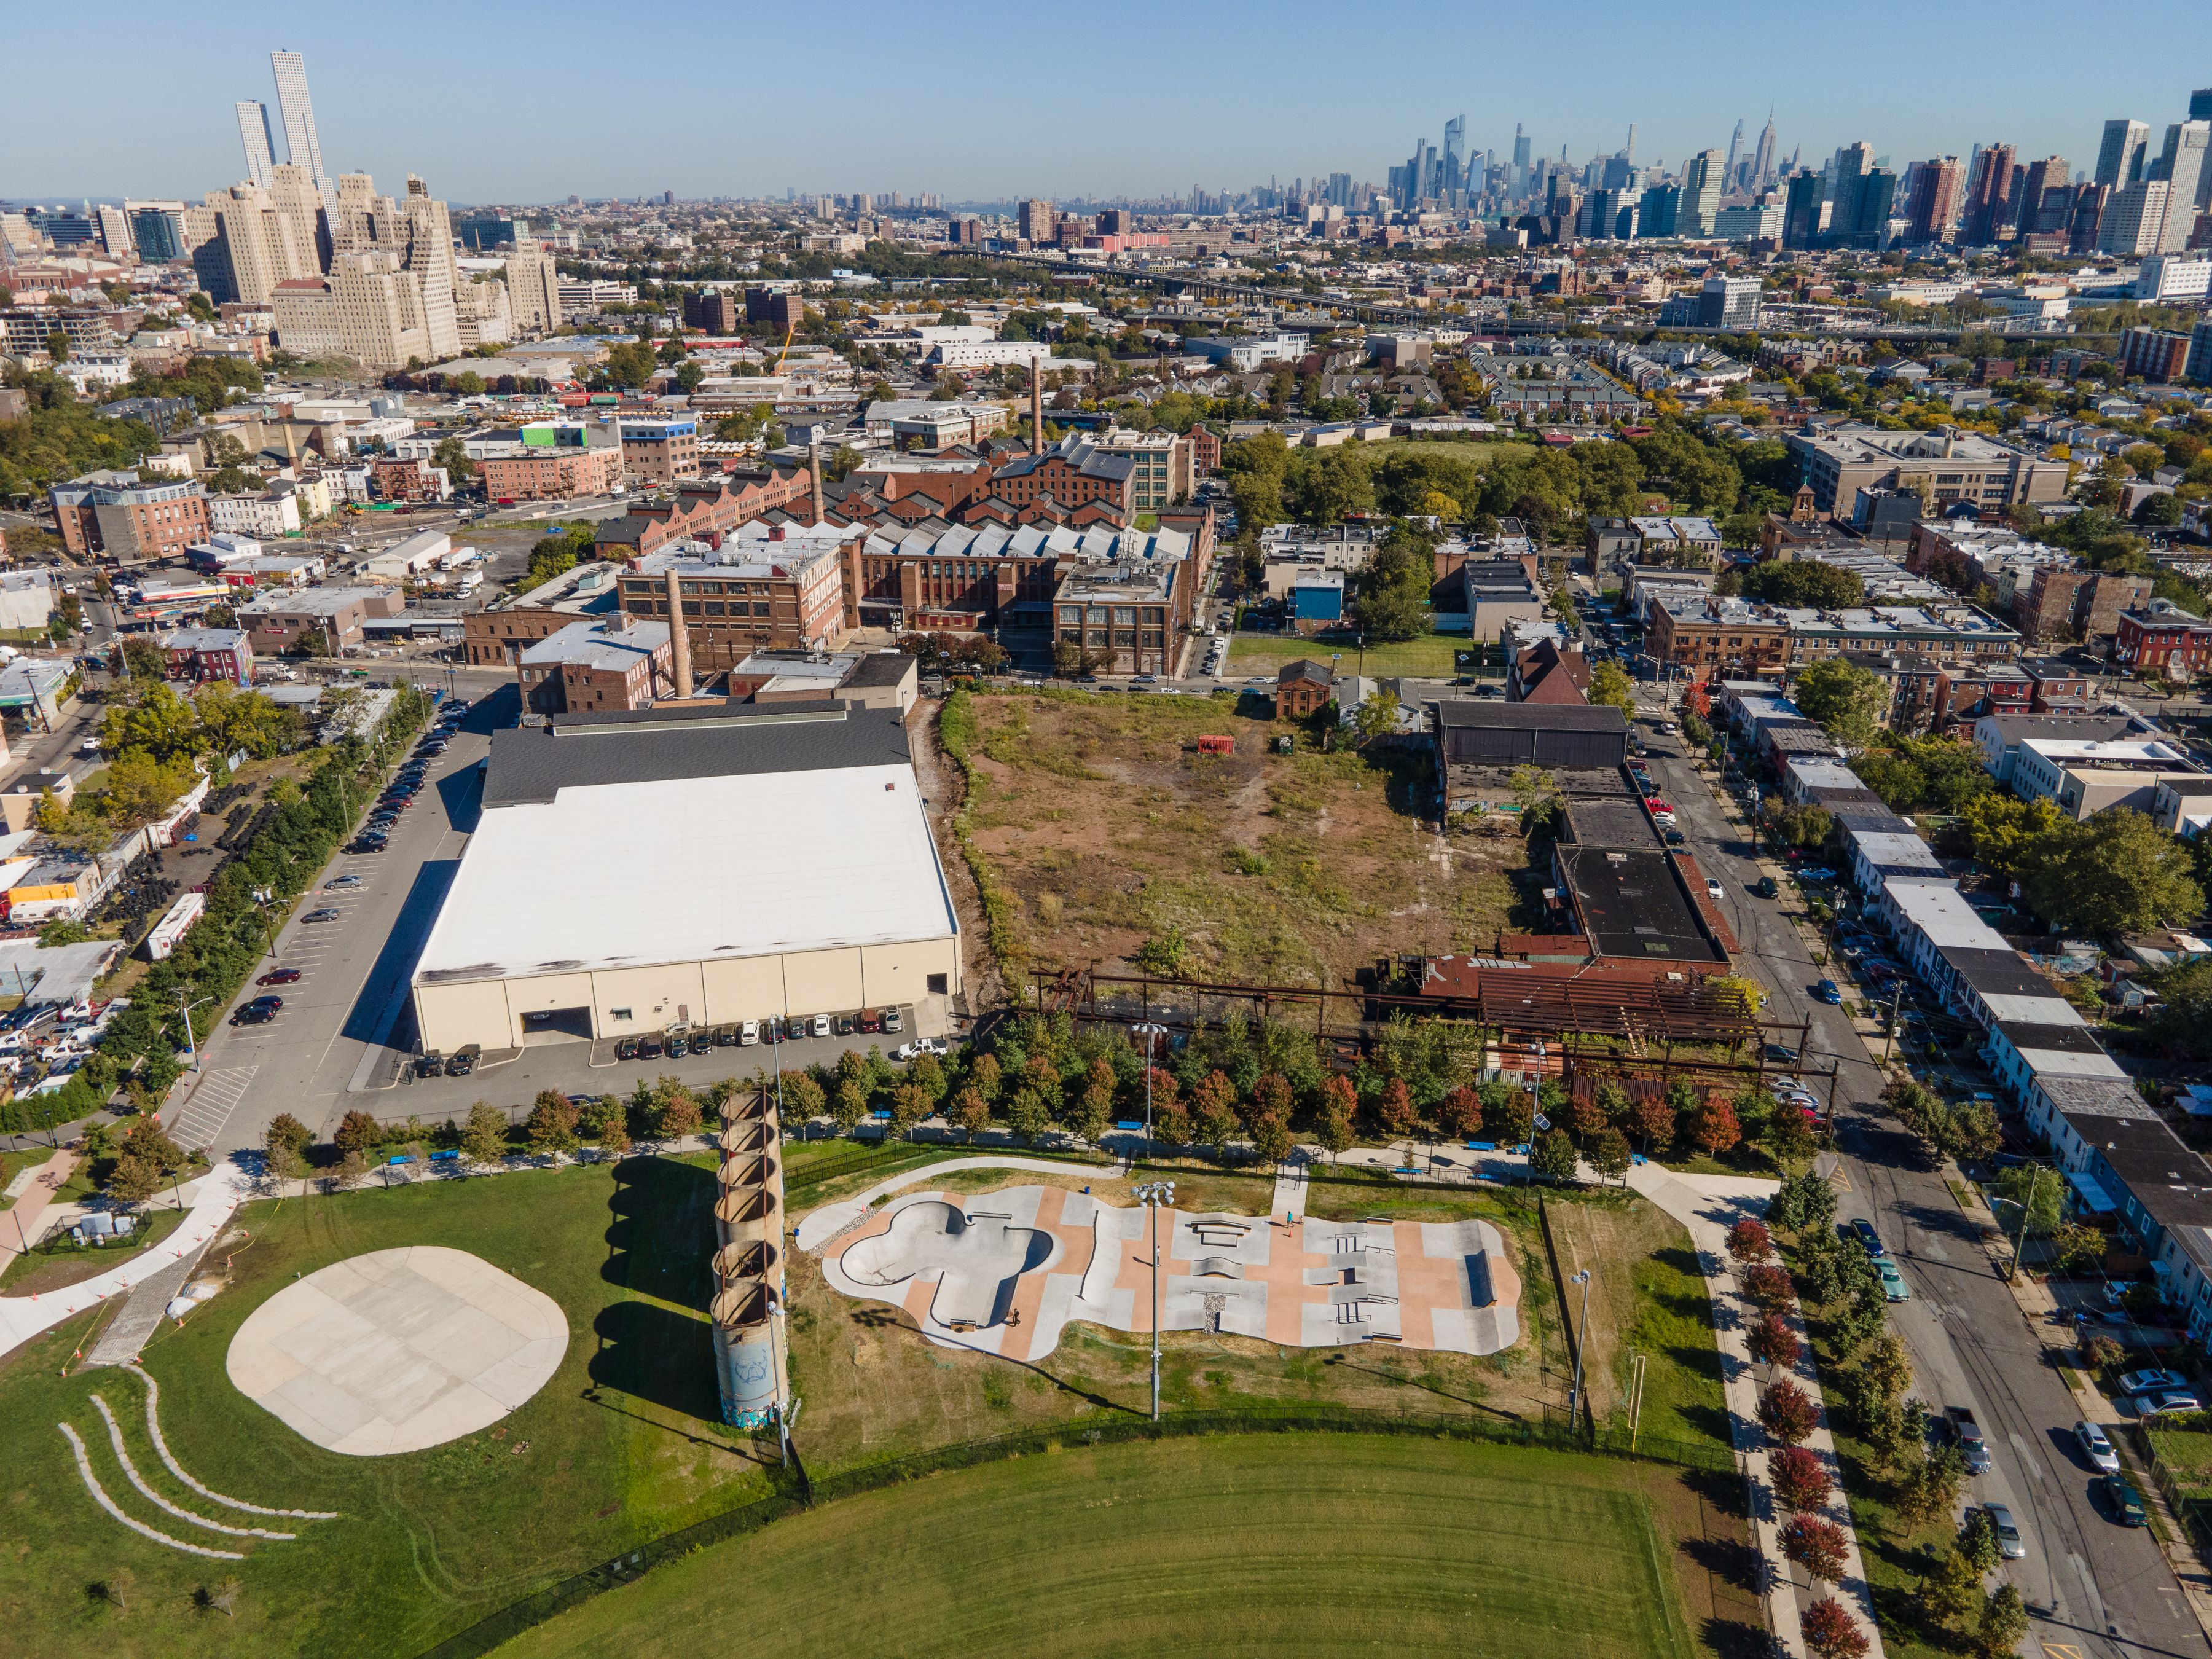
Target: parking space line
column 211, row 1105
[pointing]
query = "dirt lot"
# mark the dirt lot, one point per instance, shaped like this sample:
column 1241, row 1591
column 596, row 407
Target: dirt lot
column 1107, row 829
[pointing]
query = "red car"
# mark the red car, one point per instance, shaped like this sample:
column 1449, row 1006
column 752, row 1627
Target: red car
column 280, row 976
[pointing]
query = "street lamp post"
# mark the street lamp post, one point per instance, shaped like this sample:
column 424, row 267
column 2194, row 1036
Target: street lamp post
column 1154, row 1195
column 1581, row 1334
column 1150, row 1033
column 192, row 1042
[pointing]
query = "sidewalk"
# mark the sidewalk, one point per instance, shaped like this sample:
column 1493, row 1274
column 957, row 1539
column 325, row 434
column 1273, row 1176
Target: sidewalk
column 215, row 1197
column 23, row 1225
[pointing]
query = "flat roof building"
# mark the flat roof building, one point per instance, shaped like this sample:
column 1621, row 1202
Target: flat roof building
column 779, row 861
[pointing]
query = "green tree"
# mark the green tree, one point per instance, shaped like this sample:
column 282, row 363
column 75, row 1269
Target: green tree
column 1535, row 792
column 454, row 456
column 551, row 1125
column 1030, row 1117
column 483, row 1138
column 2003, row 1625
column 971, row 1112
column 1553, row 1157
column 1805, row 584
column 1844, row 700
column 2116, row 872
column 1608, row 1154
column 1610, row 687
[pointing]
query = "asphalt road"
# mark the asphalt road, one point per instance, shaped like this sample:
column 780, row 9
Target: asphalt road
column 2102, row 1589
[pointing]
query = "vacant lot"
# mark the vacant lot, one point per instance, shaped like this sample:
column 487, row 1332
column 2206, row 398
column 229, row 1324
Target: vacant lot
column 1429, row 657
column 1106, row 829
column 1300, row 1544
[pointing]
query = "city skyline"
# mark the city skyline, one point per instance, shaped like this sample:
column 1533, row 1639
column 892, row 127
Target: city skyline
column 708, row 135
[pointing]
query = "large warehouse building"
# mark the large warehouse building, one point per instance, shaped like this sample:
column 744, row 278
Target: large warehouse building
column 735, row 862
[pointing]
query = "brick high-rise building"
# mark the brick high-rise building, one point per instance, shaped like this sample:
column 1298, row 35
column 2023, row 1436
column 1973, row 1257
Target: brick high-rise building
column 712, row 312
column 1035, row 221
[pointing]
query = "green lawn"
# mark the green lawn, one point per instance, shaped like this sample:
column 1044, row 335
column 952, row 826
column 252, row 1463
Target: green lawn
column 1274, row 1544
column 1429, row 657
column 620, row 1449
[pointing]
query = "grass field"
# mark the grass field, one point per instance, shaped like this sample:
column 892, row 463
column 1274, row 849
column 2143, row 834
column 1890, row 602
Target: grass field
column 1272, row 1545
column 619, row 1447
column 1429, row 657
column 1107, row 828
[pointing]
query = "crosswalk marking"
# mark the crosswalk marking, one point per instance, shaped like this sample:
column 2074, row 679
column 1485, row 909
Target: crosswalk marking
column 204, row 1117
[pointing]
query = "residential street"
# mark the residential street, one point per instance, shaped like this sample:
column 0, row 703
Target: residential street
column 2093, row 1587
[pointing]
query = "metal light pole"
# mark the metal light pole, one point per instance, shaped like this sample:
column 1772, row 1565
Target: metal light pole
column 1153, row 1195
column 1150, row 1033
column 2026, row 1205
column 1581, row 1334
column 192, row 1042
column 775, row 1359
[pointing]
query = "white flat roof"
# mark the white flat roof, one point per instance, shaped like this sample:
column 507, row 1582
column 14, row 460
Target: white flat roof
column 1940, row 910
column 709, row 868
column 2053, row 1010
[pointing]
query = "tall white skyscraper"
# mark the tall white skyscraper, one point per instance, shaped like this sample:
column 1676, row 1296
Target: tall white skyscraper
column 260, row 146
column 2120, row 157
column 302, row 148
column 2181, row 164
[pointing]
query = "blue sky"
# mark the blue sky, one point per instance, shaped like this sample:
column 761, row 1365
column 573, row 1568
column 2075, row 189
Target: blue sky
column 511, row 101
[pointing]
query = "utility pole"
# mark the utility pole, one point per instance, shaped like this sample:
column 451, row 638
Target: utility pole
column 2027, row 1204
column 1896, row 1001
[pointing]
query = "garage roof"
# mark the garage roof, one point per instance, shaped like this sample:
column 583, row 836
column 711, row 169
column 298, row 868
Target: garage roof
column 687, row 869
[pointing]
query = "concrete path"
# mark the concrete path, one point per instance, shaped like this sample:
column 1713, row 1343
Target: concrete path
column 140, row 1317
column 825, row 1224
column 1290, row 1198
column 215, row 1198
column 1708, row 1206
column 25, row 1218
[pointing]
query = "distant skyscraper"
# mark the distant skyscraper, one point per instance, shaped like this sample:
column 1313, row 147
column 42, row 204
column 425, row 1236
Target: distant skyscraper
column 302, row 148
column 1736, row 146
column 1519, row 185
column 1847, row 171
column 2200, row 104
column 1762, row 160
column 1454, row 174
column 1931, row 205
column 1702, row 178
column 2181, row 164
column 1801, row 213
column 260, row 146
column 2120, row 157
column 1990, row 207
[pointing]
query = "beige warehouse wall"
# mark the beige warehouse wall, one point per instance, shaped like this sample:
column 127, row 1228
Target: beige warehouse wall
column 824, row 982
column 748, row 987
column 655, row 997
column 900, row 973
column 450, row 1016
column 553, row 991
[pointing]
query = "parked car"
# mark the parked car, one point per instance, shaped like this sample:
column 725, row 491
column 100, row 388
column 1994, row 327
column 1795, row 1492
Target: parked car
column 749, row 1033
column 464, row 1060
column 280, row 976
column 342, row 884
column 2096, row 1446
column 2152, row 1381
column 1712, row 890
column 1964, row 1432
column 1869, row 1239
column 822, row 1025
column 325, row 914
column 1765, row 888
column 894, row 1022
column 363, row 845
column 1894, row 1287
column 1827, row 991
column 870, row 1022
column 253, row 1014
column 2126, row 1503
column 845, row 1025
column 2165, row 1399
column 2010, row 1543
column 702, row 1042
column 1674, row 837
column 726, row 1037
column 429, row 1063
column 918, row 1047
column 626, row 1049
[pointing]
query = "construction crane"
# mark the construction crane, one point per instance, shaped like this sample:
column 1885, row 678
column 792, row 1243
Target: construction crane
column 790, row 329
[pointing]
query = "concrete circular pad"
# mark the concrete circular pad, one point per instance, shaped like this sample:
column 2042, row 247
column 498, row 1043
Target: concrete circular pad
column 398, row 1350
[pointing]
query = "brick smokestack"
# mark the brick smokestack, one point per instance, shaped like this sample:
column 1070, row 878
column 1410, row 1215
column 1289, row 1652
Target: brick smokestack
column 680, row 635
column 814, row 468
column 1036, row 409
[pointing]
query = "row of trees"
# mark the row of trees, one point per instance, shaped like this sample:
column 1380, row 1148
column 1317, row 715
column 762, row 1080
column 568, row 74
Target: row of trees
column 213, row 959
column 1871, row 1373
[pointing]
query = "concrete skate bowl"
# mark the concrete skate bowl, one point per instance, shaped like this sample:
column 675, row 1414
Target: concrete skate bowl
column 976, row 1256
column 398, row 1350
